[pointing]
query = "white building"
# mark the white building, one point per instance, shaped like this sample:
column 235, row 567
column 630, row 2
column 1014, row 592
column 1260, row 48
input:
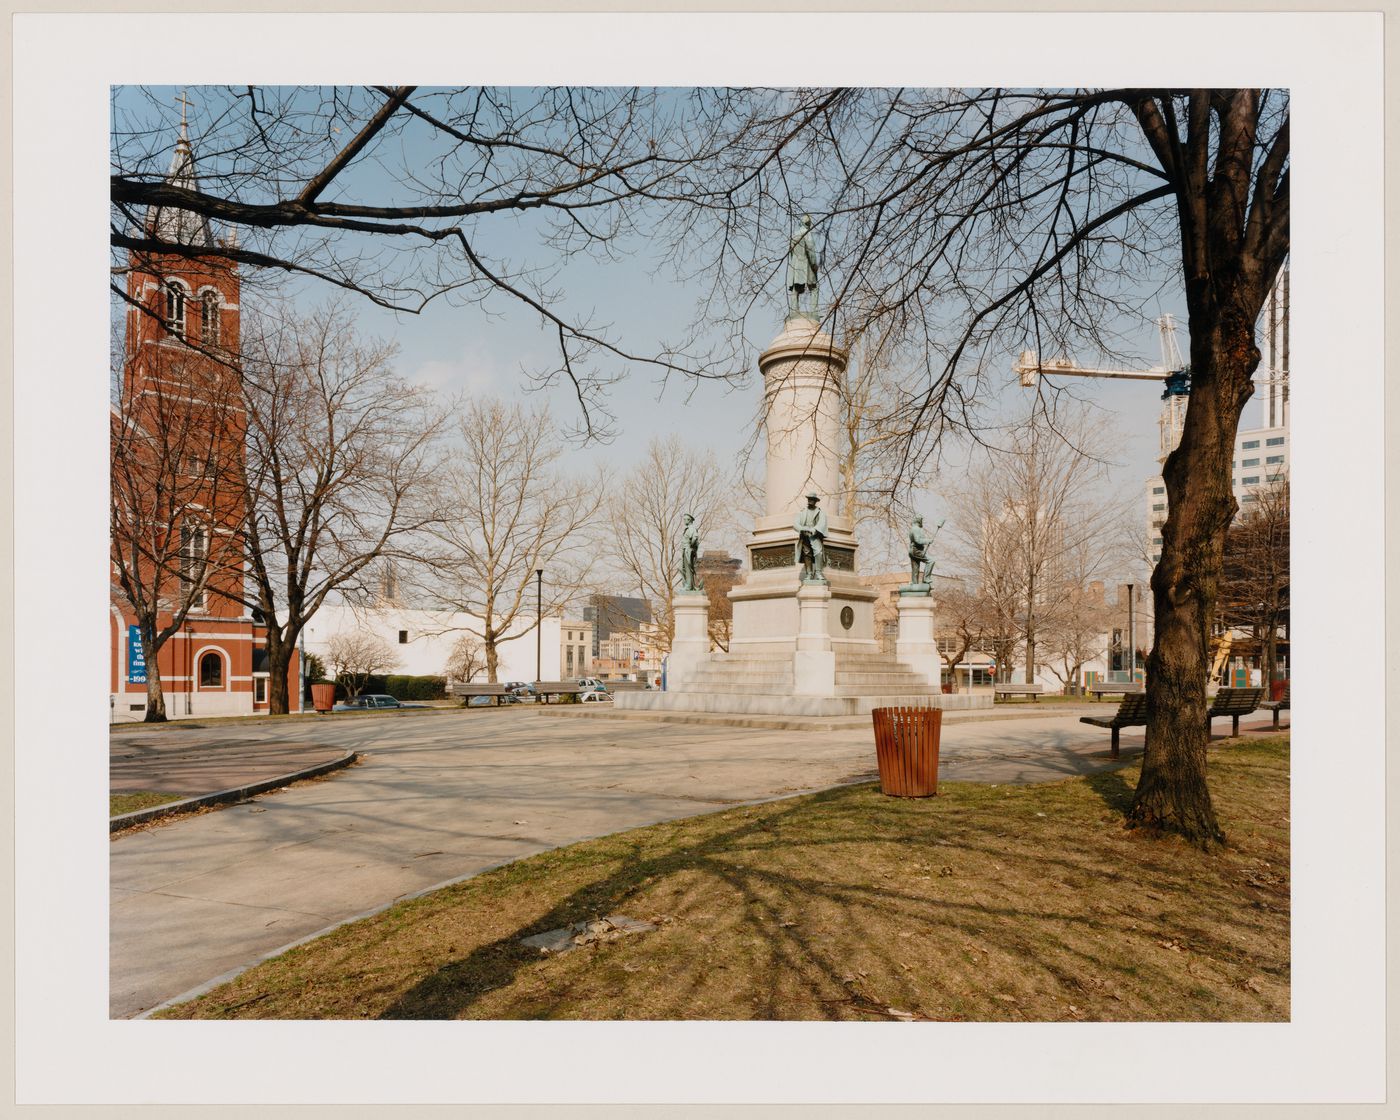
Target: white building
column 1261, row 458
column 423, row 639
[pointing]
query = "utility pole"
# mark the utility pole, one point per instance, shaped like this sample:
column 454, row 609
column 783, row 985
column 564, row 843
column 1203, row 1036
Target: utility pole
column 539, row 619
column 1132, row 640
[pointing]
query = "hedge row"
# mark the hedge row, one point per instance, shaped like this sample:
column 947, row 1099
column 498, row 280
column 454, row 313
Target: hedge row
column 402, row 687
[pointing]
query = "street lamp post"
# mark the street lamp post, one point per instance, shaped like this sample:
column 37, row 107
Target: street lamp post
column 539, row 619
column 1132, row 640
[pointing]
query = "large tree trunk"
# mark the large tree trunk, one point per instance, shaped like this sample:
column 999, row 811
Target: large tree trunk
column 279, row 664
column 1172, row 793
column 155, row 693
column 488, row 644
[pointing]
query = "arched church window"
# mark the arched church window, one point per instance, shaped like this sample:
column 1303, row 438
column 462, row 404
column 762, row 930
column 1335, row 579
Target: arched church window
column 209, row 319
column 211, row 671
column 175, row 308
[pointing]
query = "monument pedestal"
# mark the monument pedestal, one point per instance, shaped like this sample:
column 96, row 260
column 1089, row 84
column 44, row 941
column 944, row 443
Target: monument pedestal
column 916, row 645
column 813, row 662
column 691, row 645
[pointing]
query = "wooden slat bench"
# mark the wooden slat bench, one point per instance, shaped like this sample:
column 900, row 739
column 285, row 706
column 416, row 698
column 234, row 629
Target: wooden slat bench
column 1132, row 712
column 1114, row 688
column 466, row 690
column 1234, row 702
column 1277, row 706
column 1018, row 689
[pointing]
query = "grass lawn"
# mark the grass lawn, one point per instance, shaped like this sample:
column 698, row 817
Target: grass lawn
column 144, row 799
column 986, row 903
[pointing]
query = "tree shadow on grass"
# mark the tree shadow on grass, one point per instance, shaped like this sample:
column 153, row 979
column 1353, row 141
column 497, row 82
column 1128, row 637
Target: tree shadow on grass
column 815, row 967
column 1114, row 787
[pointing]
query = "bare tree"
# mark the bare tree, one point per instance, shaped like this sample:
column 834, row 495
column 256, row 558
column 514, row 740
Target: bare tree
column 977, row 223
column 341, row 454
column 645, row 520
column 395, row 193
column 1032, row 529
column 1254, row 586
column 512, row 513
column 465, row 661
column 963, row 620
column 1076, row 632
column 356, row 655
column 176, row 533
column 971, row 224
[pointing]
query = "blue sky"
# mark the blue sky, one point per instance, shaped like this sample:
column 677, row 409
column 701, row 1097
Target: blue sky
column 482, row 350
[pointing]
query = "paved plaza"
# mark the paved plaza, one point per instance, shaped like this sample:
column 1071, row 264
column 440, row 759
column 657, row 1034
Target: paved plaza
column 441, row 796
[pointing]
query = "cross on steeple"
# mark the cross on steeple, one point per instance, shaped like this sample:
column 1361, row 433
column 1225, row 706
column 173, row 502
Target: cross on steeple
column 185, row 103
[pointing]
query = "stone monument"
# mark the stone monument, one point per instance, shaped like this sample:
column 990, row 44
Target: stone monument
column 802, row 639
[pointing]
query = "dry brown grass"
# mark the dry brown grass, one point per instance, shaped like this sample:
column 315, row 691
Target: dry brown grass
column 987, row 903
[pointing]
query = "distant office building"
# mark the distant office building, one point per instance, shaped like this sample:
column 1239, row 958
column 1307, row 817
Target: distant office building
column 1261, row 459
column 575, row 648
column 607, row 613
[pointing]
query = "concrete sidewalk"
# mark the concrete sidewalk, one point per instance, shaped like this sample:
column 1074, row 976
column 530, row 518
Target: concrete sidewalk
column 444, row 798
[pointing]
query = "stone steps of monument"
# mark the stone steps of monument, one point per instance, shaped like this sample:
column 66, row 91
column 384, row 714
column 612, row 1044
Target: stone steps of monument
column 888, row 678
column 770, row 704
column 763, row 688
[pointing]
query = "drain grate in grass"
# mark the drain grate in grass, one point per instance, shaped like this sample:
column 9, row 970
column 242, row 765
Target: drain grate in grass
column 987, row 903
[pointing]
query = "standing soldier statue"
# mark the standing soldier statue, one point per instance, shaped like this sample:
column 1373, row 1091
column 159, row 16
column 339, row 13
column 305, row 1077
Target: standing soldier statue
column 811, row 532
column 803, row 268
column 920, row 563
column 690, row 554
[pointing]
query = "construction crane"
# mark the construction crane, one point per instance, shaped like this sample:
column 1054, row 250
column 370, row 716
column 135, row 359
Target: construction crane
column 1174, row 372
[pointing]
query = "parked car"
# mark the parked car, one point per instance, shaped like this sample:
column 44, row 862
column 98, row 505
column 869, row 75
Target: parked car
column 596, row 697
column 591, row 684
column 372, row 702
column 521, row 690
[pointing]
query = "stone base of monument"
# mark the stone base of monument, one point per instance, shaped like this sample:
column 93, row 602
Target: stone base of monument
column 765, row 684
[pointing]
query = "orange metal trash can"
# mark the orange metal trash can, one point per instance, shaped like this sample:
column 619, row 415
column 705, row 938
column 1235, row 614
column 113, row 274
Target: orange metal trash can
column 323, row 697
column 906, row 748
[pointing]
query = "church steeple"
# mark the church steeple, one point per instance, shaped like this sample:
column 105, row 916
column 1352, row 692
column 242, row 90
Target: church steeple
column 169, row 223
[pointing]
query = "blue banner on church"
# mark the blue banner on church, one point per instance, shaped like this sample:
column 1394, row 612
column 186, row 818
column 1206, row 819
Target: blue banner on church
column 135, row 656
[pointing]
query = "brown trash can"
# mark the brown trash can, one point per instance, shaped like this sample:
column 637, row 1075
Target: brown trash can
column 1277, row 689
column 906, row 748
column 323, row 697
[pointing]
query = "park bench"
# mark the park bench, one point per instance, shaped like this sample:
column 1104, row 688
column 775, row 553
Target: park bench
column 1114, row 688
column 1276, row 706
column 1234, row 702
column 545, row 689
column 1132, row 712
column 466, row 690
column 1003, row 690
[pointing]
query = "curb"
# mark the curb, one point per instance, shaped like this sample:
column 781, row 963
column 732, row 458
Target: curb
column 242, row 793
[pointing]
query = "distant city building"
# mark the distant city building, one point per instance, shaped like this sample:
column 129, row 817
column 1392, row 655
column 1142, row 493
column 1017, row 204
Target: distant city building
column 607, row 613
column 423, row 640
column 576, row 648
column 1262, row 458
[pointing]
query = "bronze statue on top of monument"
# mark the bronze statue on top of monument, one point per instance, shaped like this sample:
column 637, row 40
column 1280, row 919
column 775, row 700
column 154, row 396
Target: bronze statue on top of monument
column 804, row 266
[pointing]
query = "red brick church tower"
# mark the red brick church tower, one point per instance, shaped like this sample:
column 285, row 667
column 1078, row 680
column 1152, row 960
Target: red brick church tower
column 177, row 495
